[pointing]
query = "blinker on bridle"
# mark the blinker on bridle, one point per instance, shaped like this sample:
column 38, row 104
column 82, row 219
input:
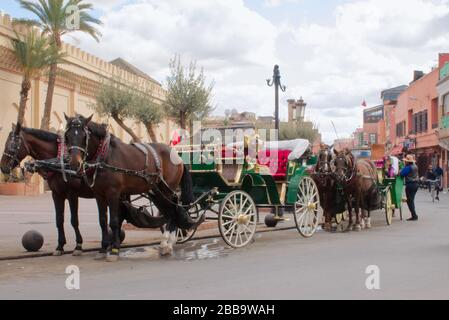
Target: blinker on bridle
column 16, row 145
column 77, row 124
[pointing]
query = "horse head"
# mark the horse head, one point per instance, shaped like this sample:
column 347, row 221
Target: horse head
column 76, row 137
column 15, row 150
column 325, row 159
column 343, row 164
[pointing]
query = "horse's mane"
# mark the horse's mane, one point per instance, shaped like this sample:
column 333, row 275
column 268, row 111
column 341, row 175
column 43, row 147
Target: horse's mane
column 98, row 129
column 42, row 135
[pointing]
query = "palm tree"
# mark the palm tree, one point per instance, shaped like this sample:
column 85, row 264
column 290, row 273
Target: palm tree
column 34, row 54
column 54, row 18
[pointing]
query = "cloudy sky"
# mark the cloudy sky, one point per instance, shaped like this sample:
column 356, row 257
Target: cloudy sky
column 333, row 53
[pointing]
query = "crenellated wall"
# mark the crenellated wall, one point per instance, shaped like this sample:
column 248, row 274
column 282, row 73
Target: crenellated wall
column 77, row 82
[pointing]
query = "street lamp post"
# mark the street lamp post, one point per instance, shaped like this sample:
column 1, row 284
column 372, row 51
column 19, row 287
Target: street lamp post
column 276, row 82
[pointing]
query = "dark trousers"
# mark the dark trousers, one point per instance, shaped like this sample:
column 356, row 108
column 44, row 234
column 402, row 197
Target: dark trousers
column 410, row 191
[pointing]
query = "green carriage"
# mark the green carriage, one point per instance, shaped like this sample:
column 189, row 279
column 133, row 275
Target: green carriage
column 392, row 189
column 242, row 183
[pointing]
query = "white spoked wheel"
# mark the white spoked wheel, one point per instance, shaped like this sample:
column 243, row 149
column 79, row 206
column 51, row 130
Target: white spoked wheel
column 389, row 207
column 185, row 235
column 306, row 207
column 237, row 219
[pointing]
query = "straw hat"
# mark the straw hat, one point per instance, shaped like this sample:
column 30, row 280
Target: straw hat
column 410, row 159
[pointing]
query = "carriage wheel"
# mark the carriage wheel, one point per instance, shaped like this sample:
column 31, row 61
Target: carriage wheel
column 389, row 207
column 185, row 235
column 237, row 219
column 306, row 207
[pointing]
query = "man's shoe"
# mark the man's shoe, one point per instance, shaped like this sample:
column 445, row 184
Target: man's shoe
column 413, row 219
column 437, row 198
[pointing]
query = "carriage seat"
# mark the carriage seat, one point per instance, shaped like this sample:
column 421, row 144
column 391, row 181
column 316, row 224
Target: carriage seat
column 266, row 158
column 231, row 166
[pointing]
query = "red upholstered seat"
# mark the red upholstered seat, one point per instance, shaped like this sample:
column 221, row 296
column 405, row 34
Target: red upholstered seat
column 277, row 161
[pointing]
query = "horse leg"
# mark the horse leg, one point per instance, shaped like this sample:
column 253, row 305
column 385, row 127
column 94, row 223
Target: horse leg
column 368, row 220
column 357, row 226
column 103, row 220
column 163, row 247
column 59, row 203
column 114, row 223
column 349, row 214
column 169, row 239
column 73, row 203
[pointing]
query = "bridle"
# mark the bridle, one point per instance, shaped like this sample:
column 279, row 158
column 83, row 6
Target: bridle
column 77, row 124
column 344, row 158
column 16, row 145
column 322, row 164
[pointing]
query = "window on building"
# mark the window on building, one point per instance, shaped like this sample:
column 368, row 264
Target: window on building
column 372, row 138
column 400, row 129
column 446, row 104
column 425, row 123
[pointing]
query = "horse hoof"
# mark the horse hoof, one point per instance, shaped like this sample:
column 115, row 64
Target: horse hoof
column 100, row 256
column 58, row 253
column 339, row 228
column 112, row 257
column 358, row 228
column 77, row 253
column 165, row 251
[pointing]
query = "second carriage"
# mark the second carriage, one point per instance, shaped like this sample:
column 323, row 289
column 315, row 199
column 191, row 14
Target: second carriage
column 231, row 184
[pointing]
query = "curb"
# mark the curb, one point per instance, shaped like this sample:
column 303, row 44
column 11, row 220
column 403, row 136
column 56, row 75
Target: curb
column 131, row 246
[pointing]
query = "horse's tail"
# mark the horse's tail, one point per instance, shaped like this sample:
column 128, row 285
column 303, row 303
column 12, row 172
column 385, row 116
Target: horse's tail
column 186, row 187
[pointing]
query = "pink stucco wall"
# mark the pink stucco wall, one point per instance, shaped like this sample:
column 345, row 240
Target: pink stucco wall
column 419, row 97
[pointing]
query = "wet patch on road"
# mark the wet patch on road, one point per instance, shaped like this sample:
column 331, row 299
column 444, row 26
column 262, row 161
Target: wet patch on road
column 192, row 251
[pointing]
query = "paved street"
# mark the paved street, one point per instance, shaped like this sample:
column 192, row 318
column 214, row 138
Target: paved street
column 413, row 259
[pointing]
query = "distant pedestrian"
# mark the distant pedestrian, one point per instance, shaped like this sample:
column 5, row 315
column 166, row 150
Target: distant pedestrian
column 433, row 178
column 410, row 173
column 440, row 175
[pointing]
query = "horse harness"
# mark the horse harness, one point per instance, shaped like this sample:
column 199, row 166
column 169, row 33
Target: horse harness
column 91, row 168
column 16, row 145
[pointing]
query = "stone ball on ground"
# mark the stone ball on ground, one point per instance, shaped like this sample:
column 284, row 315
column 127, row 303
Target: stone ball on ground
column 32, row 241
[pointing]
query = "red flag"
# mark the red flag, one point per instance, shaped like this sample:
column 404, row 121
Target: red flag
column 176, row 139
column 364, row 103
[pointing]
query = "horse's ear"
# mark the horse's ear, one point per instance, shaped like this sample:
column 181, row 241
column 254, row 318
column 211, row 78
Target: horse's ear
column 336, row 152
column 66, row 117
column 16, row 128
column 331, row 147
column 88, row 120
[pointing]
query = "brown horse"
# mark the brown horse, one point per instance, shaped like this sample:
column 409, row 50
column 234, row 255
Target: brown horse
column 43, row 145
column 326, row 184
column 130, row 169
column 358, row 180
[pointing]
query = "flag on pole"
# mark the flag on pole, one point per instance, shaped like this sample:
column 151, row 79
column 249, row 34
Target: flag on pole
column 176, row 139
column 364, row 103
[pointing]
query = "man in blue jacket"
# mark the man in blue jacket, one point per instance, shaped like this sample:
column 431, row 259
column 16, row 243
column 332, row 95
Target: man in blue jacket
column 410, row 173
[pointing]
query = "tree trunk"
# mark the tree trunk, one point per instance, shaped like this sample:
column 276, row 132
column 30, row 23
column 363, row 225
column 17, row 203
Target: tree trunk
column 126, row 128
column 151, row 133
column 26, row 86
column 182, row 120
column 45, row 124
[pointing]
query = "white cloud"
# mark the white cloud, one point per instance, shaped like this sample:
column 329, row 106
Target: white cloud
column 277, row 3
column 369, row 46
